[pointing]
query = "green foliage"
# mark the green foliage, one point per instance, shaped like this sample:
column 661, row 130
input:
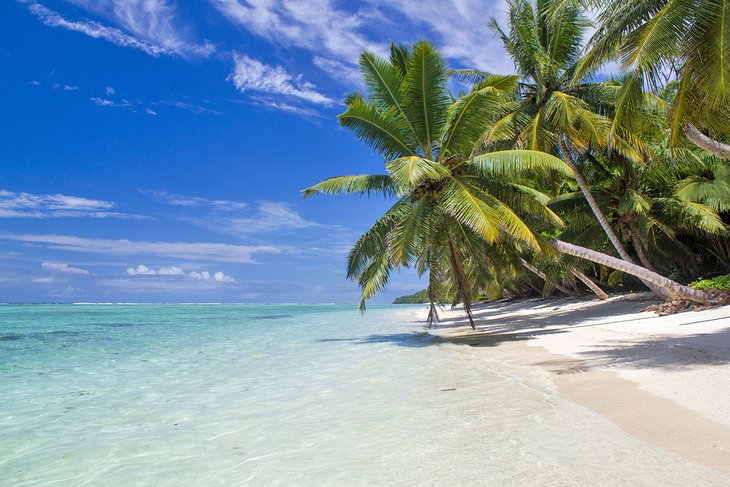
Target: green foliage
column 719, row 282
column 415, row 298
column 480, row 182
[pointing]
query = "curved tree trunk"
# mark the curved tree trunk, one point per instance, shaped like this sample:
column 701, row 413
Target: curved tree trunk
column 591, row 285
column 602, row 220
column 644, row 274
column 702, row 141
column 462, row 283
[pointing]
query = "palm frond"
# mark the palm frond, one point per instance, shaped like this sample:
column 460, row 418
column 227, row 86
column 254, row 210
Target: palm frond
column 411, row 171
column 384, row 130
column 426, row 96
column 514, row 162
column 380, row 184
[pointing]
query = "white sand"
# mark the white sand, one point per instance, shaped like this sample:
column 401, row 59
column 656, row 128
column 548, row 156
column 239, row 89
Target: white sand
column 664, row 379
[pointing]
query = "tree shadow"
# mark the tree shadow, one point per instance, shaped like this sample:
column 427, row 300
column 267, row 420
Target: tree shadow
column 554, row 313
column 410, row 340
column 670, row 353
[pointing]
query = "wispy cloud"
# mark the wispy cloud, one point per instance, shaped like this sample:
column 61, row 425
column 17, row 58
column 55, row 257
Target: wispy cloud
column 27, row 205
column 264, row 218
column 64, row 268
column 272, row 104
column 472, row 42
column 105, row 102
column 316, row 25
column 195, row 201
column 150, row 25
column 93, row 29
column 336, row 36
column 191, row 107
column 251, row 75
column 198, row 251
column 269, row 217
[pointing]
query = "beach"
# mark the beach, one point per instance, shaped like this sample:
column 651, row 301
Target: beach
column 663, row 379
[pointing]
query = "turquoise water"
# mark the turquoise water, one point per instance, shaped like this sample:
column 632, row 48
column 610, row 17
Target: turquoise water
column 287, row 395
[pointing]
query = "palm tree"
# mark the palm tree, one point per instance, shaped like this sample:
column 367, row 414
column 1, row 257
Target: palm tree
column 450, row 203
column 552, row 113
column 687, row 39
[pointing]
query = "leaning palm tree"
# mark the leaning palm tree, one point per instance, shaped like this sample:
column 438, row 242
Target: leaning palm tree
column 688, row 39
column 450, row 204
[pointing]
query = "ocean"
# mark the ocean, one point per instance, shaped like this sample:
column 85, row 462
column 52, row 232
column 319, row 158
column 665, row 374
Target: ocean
column 289, row 395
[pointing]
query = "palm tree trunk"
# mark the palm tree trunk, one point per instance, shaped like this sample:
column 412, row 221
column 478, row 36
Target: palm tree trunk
column 542, row 276
column 591, row 285
column 639, row 247
column 658, row 280
column 702, row 141
column 462, row 283
column 602, row 220
column 433, row 314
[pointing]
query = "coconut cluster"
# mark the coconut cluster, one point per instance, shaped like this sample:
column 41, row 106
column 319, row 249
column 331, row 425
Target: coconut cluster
column 429, row 188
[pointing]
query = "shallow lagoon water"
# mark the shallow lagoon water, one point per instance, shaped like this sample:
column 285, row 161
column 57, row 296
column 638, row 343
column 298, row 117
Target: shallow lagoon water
column 288, row 395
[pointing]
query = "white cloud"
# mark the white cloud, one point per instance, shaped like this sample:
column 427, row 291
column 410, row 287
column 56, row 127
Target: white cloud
column 27, row 205
column 195, row 201
column 339, row 70
column 191, row 107
column 44, row 280
column 143, row 270
column 336, row 36
column 270, row 216
column 105, row 102
column 199, row 276
column 109, row 90
column 102, row 102
column 64, row 268
column 70, row 88
column 460, row 28
column 206, row 276
column 315, row 25
column 199, row 251
column 220, row 277
column 93, row 29
column 34, row 82
column 252, row 75
column 150, row 111
column 271, row 104
column 151, row 23
column 170, row 271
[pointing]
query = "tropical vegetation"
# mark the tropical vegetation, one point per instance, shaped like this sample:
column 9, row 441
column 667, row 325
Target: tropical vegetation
column 546, row 180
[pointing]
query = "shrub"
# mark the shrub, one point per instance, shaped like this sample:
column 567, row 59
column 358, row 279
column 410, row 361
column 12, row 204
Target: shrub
column 719, row 282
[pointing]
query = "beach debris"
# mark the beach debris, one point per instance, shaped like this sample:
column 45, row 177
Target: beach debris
column 449, row 389
column 677, row 305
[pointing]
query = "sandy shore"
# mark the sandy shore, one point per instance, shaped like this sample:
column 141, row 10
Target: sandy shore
column 663, row 379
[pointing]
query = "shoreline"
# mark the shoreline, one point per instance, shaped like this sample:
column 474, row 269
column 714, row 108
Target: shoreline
column 662, row 379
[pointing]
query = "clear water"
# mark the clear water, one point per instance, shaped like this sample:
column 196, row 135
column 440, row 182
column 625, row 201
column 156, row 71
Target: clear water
column 287, row 395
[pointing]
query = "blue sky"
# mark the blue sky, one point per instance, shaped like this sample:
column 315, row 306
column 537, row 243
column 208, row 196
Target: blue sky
column 154, row 151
